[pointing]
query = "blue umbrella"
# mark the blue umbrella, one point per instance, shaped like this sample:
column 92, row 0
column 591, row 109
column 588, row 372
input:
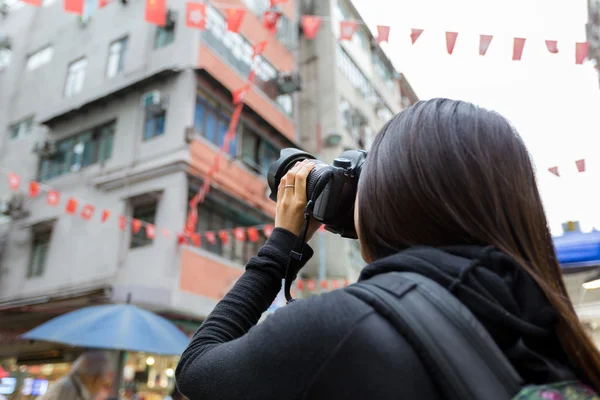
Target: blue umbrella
column 122, row 327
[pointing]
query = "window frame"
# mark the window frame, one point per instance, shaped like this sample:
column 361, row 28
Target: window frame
column 119, row 54
column 76, row 72
column 165, row 32
column 145, row 211
column 39, row 58
column 154, row 116
column 42, row 236
column 24, row 128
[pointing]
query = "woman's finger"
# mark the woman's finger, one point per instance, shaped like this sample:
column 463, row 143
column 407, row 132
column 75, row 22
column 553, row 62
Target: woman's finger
column 300, row 182
column 280, row 189
column 288, row 188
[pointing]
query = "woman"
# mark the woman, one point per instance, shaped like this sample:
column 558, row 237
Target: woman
column 447, row 191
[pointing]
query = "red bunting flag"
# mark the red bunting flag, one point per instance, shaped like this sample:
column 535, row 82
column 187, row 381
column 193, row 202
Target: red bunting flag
column 165, row 232
column 105, row 215
column 554, row 170
column 324, row 284
column 239, row 234
column 268, row 230
column 196, row 240
column 346, row 282
column 156, row 12
column 580, row 165
column 253, row 235
column 14, row 181
column 102, row 3
column 259, row 48
column 581, row 52
column 122, row 222
column 195, row 15
column 347, row 29
column 136, row 225
column 311, row 284
column 273, row 2
column 310, row 26
column 238, row 95
column 52, row 197
column 224, row 236
column 518, row 45
column 300, row 284
column 335, row 284
column 74, row 6
column 414, row 34
column 71, row 207
column 34, row 189
column 484, row 43
column 87, row 212
column 552, row 46
column 451, row 41
column 181, row 239
column 36, row 3
column 270, row 19
column 150, row 231
column 383, row 33
column 234, row 19
column 192, row 221
column 211, row 238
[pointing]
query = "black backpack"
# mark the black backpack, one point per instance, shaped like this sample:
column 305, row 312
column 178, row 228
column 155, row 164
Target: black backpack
column 465, row 362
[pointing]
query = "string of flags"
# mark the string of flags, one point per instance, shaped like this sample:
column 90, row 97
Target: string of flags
column 88, row 211
column 580, row 164
column 310, row 285
column 156, row 13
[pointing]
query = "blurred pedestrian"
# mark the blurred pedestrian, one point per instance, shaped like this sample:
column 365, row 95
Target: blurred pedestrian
column 86, row 379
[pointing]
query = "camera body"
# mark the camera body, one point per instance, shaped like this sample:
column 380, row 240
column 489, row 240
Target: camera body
column 334, row 206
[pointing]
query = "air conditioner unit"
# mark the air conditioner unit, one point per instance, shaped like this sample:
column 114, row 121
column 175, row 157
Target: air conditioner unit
column 13, row 205
column 289, row 82
column 45, row 148
column 170, row 24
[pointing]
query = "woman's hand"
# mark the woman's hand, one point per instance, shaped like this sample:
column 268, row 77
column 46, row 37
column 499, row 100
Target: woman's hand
column 291, row 200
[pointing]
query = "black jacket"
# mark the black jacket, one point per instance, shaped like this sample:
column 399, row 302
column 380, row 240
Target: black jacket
column 334, row 346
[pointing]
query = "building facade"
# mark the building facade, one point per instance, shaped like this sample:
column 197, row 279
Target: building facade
column 593, row 31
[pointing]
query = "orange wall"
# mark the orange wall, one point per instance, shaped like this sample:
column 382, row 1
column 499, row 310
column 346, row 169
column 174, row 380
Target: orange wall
column 231, row 178
column 222, row 72
column 204, row 276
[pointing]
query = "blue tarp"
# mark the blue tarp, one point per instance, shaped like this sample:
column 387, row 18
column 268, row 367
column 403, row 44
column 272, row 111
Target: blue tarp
column 578, row 249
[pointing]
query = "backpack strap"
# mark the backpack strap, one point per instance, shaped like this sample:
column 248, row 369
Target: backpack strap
column 454, row 347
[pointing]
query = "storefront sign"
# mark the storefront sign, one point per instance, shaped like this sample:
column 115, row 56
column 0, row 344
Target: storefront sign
column 7, row 385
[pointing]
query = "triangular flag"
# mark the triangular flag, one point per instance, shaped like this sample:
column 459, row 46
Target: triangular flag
column 414, row 34
column 484, row 43
column 34, row 189
column 239, row 234
column 87, row 212
column 347, row 29
column 122, row 222
column 324, row 284
column 270, row 19
column 36, row 3
column 335, row 284
column 518, row 45
column 103, row 3
column 14, row 181
column 211, row 237
column 238, row 95
column 581, row 52
column 234, row 19
column 192, row 221
column 224, row 236
column 71, row 207
column 136, row 225
column 451, row 41
column 105, row 215
column 150, row 231
column 156, row 12
column 580, row 165
column 273, row 2
column 52, row 197
column 196, row 240
column 554, row 170
column 383, row 33
column 195, row 15
column 253, row 234
column 300, row 284
column 268, row 230
column 310, row 26
column 312, row 285
column 259, row 48
column 552, row 46
column 74, row 6
column 181, row 239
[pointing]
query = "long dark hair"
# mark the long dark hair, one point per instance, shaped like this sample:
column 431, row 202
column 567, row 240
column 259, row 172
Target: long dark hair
column 447, row 172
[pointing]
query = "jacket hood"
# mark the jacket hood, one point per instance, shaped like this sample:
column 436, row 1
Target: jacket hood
column 503, row 297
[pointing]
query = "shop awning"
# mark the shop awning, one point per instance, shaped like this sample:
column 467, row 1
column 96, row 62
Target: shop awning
column 576, row 249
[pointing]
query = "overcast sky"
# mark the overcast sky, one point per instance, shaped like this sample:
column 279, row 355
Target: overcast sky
column 554, row 103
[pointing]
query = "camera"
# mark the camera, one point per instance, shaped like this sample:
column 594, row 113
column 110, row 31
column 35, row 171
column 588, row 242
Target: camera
column 334, row 205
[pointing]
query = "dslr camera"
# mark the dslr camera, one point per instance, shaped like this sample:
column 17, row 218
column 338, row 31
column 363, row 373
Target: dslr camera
column 334, row 205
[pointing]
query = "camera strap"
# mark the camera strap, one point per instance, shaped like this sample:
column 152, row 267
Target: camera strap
column 295, row 260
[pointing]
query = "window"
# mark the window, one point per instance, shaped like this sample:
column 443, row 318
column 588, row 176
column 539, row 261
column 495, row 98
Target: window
column 257, row 153
column 211, row 120
column 146, row 213
column 154, row 124
column 5, row 57
column 116, row 57
column 40, row 58
column 39, row 251
column 221, row 212
column 384, row 72
column 165, row 35
column 81, row 150
column 21, row 128
column 75, row 77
